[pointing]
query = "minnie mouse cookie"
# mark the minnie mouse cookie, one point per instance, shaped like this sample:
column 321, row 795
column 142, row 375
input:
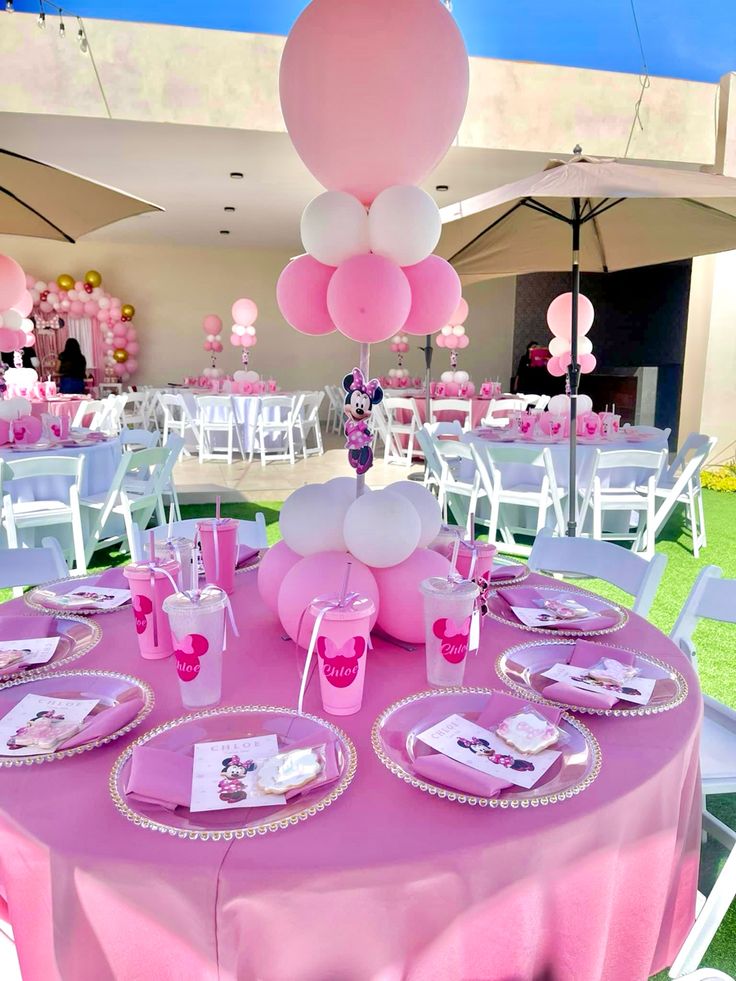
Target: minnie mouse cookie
column 528, row 732
column 289, row 771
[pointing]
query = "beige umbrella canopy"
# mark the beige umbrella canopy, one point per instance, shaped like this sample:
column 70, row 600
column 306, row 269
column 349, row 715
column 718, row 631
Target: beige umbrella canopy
column 42, row 201
column 589, row 214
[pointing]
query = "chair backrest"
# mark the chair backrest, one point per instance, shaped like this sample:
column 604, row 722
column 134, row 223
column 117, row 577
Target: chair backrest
column 250, row 533
column 174, row 407
column 601, row 560
column 431, row 456
column 697, row 447
column 138, row 437
column 465, row 406
column 311, row 405
column 542, row 402
column 44, row 466
column 31, row 566
column 94, row 407
column 208, row 405
column 651, row 431
column 711, row 598
column 438, row 429
column 394, row 404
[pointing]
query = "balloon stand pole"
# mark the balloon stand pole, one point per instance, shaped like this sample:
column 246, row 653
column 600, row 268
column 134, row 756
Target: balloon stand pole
column 573, row 373
column 364, row 365
column 453, row 361
column 244, row 358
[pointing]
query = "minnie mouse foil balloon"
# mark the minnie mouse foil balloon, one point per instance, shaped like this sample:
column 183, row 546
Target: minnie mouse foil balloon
column 360, row 397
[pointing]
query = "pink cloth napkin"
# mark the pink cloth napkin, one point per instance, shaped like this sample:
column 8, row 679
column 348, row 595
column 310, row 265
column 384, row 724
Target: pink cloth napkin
column 527, row 596
column 105, row 723
column 113, row 578
column 164, row 778
column 586, row 653
column 245, row 555
column 500, row 572
column 21, row 628
column 436, row 767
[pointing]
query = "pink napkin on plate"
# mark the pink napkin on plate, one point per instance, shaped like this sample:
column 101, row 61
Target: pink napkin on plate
column 22, row 628
column 436, row 767
column 527, row 596
column 586, row 653
column 245, row 555
column 105, row 723
column 501, row 572
column 113, row 578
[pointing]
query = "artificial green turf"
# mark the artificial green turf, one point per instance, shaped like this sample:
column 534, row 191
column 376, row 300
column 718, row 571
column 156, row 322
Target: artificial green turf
column 714, row 641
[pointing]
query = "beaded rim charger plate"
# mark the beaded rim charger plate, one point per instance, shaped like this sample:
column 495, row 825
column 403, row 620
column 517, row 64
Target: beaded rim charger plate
column 235, row 722
column 521, row 669
column 77, row 636
column 46, row 597
column 395, row 743
column 498, row 609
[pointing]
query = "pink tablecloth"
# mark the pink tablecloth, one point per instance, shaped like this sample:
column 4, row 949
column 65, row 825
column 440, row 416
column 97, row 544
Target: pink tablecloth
column 386, row 884
column 66, row 406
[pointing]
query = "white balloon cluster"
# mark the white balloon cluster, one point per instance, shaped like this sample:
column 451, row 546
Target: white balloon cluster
column 458, row 330
column 398, row 372
column 459, row 377
column 403, row 224
column 14, row 408
column 560, row 405
column 212, row 373
column 380, row 528
column 246, row 376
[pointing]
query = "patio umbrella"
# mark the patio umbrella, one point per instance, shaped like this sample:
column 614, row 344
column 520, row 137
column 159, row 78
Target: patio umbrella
column 590, row 214
column 42, row 201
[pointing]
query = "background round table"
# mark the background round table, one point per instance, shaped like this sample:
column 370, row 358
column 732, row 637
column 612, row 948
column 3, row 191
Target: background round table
column 388, row 883
column 62, row 405
column 247, row 409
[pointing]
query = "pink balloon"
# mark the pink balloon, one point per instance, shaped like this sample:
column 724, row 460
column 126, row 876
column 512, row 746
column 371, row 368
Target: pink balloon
column 451, row 341
column 246, row 340
column 8, row 339
column 587, row 363
column 45, row 307
column 435, row 292
column 235, row 340
column 403, row 347
column 216, row 346
column 119, row 330
column 132, row 365
column 441, row 340
column 401, row 609
column 460, row 314
column 131, row 333
column 30, row 281
column 373, row 93
column 79, row 286
column 301, row 293
column 254, row 340
column 25, row 304
column 555, row 368
column 212, row 324
column 463, row 341
column 115, row 313
column 207, row 345
column 277, row 561
column 30, row 340
column 133, row 347
column 559, row 315
column 77, row 308
column 244, row 312
column 369, row 298
column 120, row 370
column 90, row 308
column 318, row 575
column 64, row 305
column 12, row 282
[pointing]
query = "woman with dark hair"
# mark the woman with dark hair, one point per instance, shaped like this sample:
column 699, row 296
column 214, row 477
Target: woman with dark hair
column 72, row 368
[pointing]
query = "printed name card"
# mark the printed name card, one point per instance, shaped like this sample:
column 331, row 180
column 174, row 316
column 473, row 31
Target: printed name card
column 638, row 690
column 38, row 724
column 225, row 774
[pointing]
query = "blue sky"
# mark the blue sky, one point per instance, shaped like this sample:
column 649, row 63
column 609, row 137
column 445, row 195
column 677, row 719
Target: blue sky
column 694, row 39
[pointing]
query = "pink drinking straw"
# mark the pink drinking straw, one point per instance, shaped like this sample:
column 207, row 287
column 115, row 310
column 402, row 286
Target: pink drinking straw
column 217, row 508
column 344, row 587
column 453, row 561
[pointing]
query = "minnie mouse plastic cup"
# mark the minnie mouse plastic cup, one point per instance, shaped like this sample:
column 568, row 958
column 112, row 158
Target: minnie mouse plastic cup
column 448, row 606
column 197, row 621
column 149, row 587
column 219, row 538
column 341, row 650
column 484, row 554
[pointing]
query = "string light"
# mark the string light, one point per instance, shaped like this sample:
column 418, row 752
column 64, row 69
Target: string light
column 82, row 37
column 41, row 22
column 9, row 8
column 62, row 29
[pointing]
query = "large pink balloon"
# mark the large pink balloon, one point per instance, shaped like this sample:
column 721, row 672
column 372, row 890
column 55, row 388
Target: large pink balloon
column 244, row 312
column 369, row 298
column 559, row 315
column 317, row 575
column 401, row 609
column 301, row 292
column 373, row 91
column 8, row 339
column 460, row 314
column 25, row 304
column 277, row 561
column 12, row 282
column 435, row 293
column 212, row 324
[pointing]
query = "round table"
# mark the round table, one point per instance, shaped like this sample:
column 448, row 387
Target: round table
column 246, row 408
column 386, row 884
column 62, row 405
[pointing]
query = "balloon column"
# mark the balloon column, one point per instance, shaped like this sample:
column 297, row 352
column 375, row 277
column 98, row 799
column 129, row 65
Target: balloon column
column 454, row 338
column 243, row 332
column 16, row 330
column 559, row 320
column 212, row 325
column 66, row 298
column 372, row 95
column 399, row 345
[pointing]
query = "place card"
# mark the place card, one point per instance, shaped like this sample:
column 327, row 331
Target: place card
column 638, row 690
column 466, row 742
column 554, row 613
column 102, row 598
column 225, row 774
column 32, row 650
column 38, row 724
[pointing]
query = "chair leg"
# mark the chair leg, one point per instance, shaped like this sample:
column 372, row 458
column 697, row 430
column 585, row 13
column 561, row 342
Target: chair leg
column 693, row 525
column 701, row 513
column 597, row 518
column 80, row 560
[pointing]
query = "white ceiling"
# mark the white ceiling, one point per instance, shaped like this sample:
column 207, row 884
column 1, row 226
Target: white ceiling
column 185, row 170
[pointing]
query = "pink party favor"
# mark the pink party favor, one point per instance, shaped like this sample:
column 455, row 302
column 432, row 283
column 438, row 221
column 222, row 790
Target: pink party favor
column 219, row 538
column 149, row 586
column 475, row 559
column 342, row 649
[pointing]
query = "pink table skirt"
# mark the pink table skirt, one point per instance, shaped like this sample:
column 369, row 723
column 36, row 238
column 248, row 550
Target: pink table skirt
column 388, row 883
column 58, row 407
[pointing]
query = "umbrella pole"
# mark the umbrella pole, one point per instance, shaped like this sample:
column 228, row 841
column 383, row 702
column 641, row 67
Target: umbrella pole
column 573, row 373
column 427, row 377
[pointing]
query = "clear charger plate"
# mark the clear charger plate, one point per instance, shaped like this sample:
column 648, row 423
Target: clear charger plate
column 235, row 722
column 46, row 597
column 514, row 580
column 77, row 636
column 395, row 743
column 521, row 669
column 498, row 609
column 128, row 697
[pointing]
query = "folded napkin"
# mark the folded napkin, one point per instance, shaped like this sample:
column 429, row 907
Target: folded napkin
column 527, row 596
column 500, row 572
column 164, row 778
column 113, row 578
column 584, row 655
column 245, row 556
column 441, row 769
column 23, row 628
column 105, row 722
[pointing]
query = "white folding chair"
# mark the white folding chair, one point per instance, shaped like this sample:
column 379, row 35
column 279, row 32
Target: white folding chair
column 600, row 560
column 250, row 533
column 497, row 412
column 21, row 515
column 542, row 402
column 21, row 567
column 432, row 462
column 680, row 484
column 639, row 500
column 459, row 485
column 108, row 388
column 463, row 406
column 216, row 414
column 379, row 425
column 444, row 429
column 112, row 420
column 711, row 598
column 704, row 974
column 398, row 430
column 177, row 417
column 138, row 438
column 537, row 490
column 133, row 415
column 95, row 408
column 649, row 431
column 277, row 422
column 308, row 423
column 334, row 409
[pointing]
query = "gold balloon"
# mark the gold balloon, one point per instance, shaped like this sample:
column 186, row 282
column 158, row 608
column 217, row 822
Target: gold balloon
column 93, row 278
column 120, row 355
column 65, row 281
column 128, row 310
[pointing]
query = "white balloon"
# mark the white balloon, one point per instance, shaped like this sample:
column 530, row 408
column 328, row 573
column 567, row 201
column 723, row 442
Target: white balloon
column 334, row 227
column 446, row 330
column 381, row 529
column 461, row 377
column 308, row 521
column 404, row 224
column 250, row 329
column 14, row 408
column 559, row 405
column 41, row 286
column 585, row 404
column 392, row 372
column 71, row 295
column 458, row 330
column 238, row 329
column 558, row 346
column 103, row 302
column 425, row 504
column 252, row 376
column 12, row 319
column 447, row 376
column 585, row 345
column 240, row 376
